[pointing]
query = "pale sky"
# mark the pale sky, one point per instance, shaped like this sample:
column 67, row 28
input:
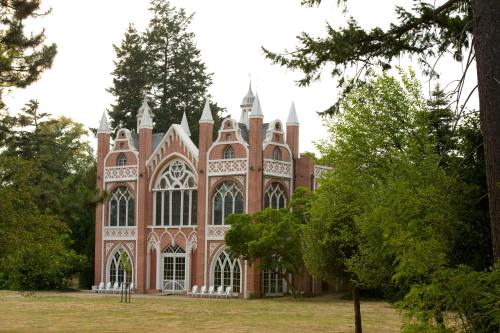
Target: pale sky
column 229, row 34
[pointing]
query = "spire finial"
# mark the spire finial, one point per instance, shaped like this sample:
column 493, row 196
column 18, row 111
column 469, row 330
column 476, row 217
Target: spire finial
column 144, row 111
column 184, row 124
column 292, row 116
column 103, row 124
column 256, row 108
column 206, row 116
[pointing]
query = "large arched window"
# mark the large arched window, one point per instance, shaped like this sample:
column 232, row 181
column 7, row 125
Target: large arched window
column 228, row 153
column 228, row 199
column 117, row 271
column 121, row 208
column 226, row 272
column 276, row 154
column 275, row 196
column 272, row 283
column 176, row 196
column 122, row 160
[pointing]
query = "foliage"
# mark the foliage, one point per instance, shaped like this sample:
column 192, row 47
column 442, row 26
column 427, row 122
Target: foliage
column 394, row 211
column 467, row 297
column 23, row 57
column 425, row 30
column 61, row 184
column 34, row 247
column 271, row 238
column 164, row 63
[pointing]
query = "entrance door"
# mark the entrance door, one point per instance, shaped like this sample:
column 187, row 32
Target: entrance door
column 174, row 270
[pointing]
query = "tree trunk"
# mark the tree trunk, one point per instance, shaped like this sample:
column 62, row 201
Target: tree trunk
column 357, row 310
column 486, row 17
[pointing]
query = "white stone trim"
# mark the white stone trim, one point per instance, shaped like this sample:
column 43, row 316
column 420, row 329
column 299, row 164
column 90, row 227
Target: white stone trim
column 121, row 173
column 277, row 168
column 119, row 233
column 222, row 167
column 216, row 232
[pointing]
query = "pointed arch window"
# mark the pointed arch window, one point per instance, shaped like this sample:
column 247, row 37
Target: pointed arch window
column 175, row 198
column 122, row 160
column 117, row 272
column 122, row 208
column 228, row 153
column 275, row 196
column 227, row 272
column 276, row 154
column 228, row 199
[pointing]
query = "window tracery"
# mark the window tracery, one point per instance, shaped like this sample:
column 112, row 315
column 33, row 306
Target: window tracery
column 228, row 199
column 122, row 208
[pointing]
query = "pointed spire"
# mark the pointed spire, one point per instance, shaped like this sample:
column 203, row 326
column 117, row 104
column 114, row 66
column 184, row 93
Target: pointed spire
column 141, row 115
column 256, row 108
column 206, row 116
column 103, row 124
column 184, row 124
column 249, row 97
column 292, row 116
column 146, row 121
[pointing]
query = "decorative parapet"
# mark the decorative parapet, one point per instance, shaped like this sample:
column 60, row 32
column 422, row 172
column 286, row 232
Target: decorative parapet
column 319, row 170
column 217, row 232
column 120, row 233
column 235, row 166
column 278, row 168
column 120, row 173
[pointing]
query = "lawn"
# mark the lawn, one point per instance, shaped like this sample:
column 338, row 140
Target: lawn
column 86, row 312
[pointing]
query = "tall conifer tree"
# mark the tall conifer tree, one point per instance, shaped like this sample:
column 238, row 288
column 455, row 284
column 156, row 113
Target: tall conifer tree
column 163, row 63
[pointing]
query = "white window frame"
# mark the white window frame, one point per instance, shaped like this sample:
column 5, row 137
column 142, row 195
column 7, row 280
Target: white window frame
column 121, row 193
column 223, row 190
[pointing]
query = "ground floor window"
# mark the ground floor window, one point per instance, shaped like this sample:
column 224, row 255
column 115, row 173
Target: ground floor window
column 174, row 269
column 272, row 283
column 227, row 272
column 118, row 272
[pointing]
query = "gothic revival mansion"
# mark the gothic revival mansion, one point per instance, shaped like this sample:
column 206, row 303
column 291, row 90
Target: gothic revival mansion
column 169, row 197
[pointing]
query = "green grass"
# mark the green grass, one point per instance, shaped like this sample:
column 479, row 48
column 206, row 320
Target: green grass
column 85, row 312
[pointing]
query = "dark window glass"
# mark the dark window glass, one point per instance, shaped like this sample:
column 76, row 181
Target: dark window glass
column 113, row 211
column 228, row 205
column 166, row 208
column 158, row 208
column 218, row 209
column 131, row 213
column 185, row 208
column 238, row 204
column 176, row 207
column 194, row 207
column 122, row 212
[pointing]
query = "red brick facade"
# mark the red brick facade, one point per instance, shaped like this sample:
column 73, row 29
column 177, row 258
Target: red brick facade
column 168, row 199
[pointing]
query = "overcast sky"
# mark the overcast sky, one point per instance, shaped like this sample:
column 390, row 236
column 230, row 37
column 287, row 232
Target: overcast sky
column 229, row 34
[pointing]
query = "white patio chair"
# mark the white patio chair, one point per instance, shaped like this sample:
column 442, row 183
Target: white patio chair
column 229, row 292
column 211, row 291
column 108, row 288
column 203, row 291
column 220, row 292
column 116, row 288
column 131, row 286
column 193, row 291
column 100, row 288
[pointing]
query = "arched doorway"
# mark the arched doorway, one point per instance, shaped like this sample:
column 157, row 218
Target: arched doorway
column 173, row 270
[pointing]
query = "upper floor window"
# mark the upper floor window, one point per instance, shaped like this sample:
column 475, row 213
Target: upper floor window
column 121, row 208
column 228, row 199
column 276, row 154
column 122, row 160
column 176, row 196
column 228, row 152
column 275, row 196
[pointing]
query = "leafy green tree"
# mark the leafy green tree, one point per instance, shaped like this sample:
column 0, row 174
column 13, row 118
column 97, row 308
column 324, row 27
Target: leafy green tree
column 427, row 31
column 62, row 182
column 35, row 248
column 269, row 239
column 23, row 57
column 165, row 64
column 390, row 215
